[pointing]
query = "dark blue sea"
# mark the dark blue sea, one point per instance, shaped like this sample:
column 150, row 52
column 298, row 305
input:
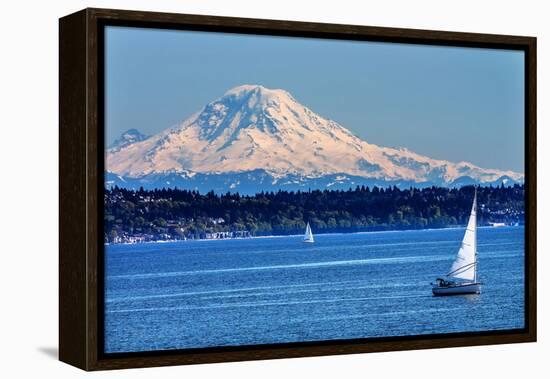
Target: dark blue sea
column 194, row 294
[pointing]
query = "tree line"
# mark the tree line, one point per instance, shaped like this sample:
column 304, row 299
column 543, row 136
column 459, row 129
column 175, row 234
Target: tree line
column 177, row 214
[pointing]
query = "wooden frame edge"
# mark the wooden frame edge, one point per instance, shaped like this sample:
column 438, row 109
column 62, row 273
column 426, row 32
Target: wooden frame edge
column 72, row 193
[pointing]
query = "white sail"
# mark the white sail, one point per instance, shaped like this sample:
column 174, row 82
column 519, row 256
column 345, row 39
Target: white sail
column 308, row 236
column 464, row 267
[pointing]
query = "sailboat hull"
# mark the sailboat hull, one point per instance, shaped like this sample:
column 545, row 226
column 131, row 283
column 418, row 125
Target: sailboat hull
column 457, row 289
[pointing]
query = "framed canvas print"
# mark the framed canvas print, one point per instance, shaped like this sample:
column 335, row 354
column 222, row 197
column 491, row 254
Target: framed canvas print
column 237, row 189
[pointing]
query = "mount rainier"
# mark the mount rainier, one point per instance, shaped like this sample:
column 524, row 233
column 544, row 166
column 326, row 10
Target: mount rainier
column 254, row 138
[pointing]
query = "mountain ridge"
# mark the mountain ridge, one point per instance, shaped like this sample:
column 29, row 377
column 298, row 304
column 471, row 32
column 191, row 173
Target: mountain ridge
column 253, row 128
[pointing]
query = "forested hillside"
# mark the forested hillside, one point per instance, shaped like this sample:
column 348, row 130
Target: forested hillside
column 166, row 214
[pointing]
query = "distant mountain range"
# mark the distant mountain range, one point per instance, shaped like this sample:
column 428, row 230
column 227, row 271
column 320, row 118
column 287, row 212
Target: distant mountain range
column 253, row 139
column 127, row 138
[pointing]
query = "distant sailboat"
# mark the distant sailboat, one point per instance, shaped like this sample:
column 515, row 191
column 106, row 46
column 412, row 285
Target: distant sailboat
column 464, row 267
column 308, row 236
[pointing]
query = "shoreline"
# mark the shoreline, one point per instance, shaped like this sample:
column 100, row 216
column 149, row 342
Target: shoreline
column 317, row 234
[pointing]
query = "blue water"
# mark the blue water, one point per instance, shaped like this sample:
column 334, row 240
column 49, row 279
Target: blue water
column 194, row 294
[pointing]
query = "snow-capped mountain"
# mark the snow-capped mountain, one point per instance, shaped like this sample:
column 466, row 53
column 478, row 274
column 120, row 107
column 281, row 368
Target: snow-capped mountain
column 127, row 138
column 252, row 130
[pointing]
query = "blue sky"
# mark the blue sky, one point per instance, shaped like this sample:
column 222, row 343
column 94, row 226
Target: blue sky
column 443, row 102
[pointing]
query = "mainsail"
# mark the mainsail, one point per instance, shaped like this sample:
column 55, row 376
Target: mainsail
column 464, row 267
column 308, row 236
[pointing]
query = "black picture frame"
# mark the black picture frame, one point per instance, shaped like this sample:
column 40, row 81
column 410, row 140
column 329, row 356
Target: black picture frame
column 81, row 149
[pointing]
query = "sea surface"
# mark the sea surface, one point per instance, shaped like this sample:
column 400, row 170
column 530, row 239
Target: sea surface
column 195, row 294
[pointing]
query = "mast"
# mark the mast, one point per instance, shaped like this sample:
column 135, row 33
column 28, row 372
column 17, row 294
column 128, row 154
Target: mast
column 475, row 235
column 465, row 265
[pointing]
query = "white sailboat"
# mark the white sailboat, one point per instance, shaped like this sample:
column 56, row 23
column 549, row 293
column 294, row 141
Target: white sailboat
column 462, row 278
column 308, row 236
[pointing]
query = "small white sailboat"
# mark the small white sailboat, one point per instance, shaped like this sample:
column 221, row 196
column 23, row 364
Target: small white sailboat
column 308, row 236
column 462, row 278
